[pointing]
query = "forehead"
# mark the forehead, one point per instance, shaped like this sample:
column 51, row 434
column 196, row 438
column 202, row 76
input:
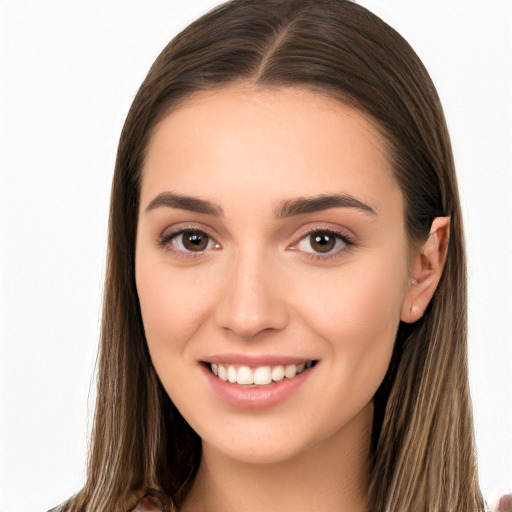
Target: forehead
column 268, row 143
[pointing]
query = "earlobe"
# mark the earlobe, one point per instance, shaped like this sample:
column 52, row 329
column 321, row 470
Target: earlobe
column 425, row 270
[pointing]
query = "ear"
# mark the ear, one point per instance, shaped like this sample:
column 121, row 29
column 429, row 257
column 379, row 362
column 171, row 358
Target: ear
column 425, row 271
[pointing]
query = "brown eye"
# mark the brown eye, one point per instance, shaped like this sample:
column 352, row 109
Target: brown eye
column 194, row 240
column 322, row 241
column 190, row 241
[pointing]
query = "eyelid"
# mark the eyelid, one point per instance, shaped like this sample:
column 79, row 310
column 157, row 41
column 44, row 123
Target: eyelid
column 344, row 234
column 171, row 232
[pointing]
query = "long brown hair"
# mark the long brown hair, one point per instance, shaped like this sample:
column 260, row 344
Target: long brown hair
column 423, row 447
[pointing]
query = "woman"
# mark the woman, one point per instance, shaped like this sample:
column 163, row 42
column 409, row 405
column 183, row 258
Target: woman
column 285, row 304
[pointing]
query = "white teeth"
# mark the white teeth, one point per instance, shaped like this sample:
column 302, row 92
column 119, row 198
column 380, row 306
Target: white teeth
column 244, row 375
column 232, row 374
column 277, row 373
column 261, row 376
column 290, row 371
column 222, row 372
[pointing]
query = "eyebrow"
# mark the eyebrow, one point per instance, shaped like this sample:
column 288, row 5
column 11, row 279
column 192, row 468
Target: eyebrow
column 303, row 205
column 192, row 204
column 288, row 208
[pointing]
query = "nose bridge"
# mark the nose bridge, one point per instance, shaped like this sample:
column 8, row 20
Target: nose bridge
column 252, row 301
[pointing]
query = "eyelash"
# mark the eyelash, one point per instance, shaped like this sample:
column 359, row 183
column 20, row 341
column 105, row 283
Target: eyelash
column 167, row 239
column 347, row 240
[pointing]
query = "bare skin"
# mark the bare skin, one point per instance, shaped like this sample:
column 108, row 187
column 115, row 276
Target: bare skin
column 240, row 256
column 314, row 481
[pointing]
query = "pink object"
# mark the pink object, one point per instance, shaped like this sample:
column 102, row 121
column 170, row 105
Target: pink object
column 255, row 397
column 505, row 503
column 146, row 504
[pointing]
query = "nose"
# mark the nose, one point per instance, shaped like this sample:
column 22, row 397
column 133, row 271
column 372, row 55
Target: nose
column 252, row 301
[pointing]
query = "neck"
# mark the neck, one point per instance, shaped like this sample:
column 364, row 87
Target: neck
column 330, row 476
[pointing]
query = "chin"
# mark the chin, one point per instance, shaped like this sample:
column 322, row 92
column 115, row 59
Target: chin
column 262, row 453
column 269, row 444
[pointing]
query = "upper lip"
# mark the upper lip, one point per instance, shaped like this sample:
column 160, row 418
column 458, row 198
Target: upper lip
column 254, row 359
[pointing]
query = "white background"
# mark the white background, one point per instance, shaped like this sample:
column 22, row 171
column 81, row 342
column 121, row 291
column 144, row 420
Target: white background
column 68, row 73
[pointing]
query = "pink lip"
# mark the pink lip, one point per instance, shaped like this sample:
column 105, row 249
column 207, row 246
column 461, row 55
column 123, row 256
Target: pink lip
column 254, row 397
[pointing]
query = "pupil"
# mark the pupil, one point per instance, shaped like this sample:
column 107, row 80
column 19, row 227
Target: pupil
column 195, row 241
column 322, row 242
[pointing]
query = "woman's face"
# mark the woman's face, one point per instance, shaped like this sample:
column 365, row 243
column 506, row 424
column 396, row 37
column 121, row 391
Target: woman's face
column 270, row 241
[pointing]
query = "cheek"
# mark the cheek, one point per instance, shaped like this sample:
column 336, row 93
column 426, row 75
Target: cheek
column 363, row 296
column 173, row 306
column 357, row 311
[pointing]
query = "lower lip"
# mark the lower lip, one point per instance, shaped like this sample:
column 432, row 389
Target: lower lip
column 255, row 397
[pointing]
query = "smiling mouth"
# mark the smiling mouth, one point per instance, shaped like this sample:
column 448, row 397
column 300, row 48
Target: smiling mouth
column 259, row 376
